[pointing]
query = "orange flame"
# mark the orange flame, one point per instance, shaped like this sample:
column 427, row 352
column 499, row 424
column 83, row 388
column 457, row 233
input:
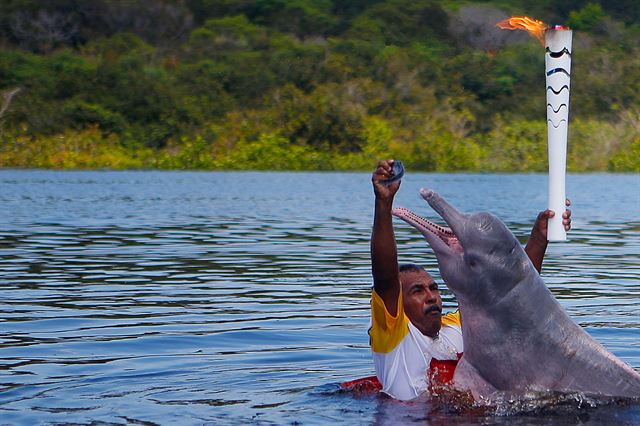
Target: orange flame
column 535, row 27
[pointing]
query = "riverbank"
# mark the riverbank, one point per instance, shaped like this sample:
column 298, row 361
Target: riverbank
column 519, row 146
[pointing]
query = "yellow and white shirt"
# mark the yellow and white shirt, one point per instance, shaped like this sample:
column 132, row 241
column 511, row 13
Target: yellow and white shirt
column 402, row 354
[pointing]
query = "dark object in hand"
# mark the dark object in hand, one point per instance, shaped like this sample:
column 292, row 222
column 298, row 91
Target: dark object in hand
column 397, row 173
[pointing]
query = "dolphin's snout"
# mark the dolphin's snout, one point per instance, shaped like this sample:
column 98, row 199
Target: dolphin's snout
column 435, row 234
column 453, row 217
column 426, row 193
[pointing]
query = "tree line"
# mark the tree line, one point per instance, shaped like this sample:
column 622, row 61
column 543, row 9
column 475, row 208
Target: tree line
column 310, row 84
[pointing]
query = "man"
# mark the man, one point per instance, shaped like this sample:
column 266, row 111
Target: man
column 413, row 344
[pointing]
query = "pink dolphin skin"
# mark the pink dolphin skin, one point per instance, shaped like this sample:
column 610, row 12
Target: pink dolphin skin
column 517, row 337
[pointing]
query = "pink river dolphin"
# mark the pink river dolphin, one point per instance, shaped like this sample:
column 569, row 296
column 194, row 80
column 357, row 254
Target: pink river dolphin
column 517, row 337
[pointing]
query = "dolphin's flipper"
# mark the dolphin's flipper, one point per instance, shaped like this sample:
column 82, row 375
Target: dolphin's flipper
column 467, row 378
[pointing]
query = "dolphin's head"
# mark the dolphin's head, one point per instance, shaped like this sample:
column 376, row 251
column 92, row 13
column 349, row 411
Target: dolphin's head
column 474, row 253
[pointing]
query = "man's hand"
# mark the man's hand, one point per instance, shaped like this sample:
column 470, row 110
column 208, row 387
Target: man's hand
column 537, row 244
column 384, row 171
column 541, row 226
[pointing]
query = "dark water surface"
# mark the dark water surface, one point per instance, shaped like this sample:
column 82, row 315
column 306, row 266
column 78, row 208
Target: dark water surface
column 228, row 298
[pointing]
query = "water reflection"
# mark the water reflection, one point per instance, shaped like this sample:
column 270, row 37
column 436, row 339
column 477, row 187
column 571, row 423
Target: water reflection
column 239, row 297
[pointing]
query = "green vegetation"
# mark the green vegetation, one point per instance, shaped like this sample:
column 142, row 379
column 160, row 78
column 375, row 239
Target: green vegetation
column 310, row 84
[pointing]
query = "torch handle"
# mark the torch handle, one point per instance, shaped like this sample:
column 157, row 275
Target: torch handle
column 557, row 173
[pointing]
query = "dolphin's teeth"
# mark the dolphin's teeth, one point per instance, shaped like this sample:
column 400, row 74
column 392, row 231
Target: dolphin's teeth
column 440, row 231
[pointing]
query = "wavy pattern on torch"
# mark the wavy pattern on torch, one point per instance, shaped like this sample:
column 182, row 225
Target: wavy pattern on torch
column 559, row 53
column 557, row 70
column 559, row 123
column 559, row 108
column 558, row 92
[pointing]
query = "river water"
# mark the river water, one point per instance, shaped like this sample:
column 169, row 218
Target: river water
column 232, row 298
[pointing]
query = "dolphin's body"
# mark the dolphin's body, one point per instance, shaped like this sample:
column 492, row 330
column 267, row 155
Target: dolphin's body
column 516, row 335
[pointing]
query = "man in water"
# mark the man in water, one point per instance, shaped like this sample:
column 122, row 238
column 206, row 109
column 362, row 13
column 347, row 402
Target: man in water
column 414, row 346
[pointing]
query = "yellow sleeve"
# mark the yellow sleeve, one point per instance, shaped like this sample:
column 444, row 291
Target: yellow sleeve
column 452, row 318
column 386, row 331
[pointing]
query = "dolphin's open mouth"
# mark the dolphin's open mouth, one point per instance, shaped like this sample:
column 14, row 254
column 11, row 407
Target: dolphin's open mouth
column 425, row 226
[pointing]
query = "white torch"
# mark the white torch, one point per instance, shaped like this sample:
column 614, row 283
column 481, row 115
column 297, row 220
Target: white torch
column 557, row 42
column 558, row 72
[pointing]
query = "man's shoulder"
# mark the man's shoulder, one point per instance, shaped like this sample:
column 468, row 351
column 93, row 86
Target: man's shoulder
column 452, row 319
column 386, row 331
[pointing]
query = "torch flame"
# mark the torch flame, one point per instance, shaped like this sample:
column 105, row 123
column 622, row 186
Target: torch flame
column 535, row 27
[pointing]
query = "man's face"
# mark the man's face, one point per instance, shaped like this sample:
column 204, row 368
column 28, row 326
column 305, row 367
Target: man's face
column 422, row 302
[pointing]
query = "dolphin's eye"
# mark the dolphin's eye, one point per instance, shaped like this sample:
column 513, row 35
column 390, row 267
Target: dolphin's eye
column 472, row 260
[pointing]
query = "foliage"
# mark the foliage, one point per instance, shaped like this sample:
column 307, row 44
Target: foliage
column 310, row 84
column 271, row 152
column 628, row 159
column 587, row 18
column 88, row 149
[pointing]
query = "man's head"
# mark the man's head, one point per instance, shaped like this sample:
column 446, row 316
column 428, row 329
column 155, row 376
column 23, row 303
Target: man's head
column 421, row 299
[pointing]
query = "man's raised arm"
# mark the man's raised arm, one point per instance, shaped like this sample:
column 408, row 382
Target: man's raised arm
column 384, row 254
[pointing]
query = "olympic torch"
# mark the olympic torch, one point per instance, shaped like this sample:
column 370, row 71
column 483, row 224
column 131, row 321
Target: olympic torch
column 557, row 41
column 558, row 72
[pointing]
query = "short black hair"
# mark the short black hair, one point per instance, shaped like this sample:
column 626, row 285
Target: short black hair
column 411, row 267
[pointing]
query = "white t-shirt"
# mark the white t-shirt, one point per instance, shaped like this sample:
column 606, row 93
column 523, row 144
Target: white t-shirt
column 402, row 354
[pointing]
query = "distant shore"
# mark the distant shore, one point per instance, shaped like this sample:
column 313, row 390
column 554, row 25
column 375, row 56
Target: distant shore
column 503, row 152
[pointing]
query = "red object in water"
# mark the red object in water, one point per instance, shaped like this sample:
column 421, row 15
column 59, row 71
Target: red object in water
column 440, row 374
column 366, row 384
